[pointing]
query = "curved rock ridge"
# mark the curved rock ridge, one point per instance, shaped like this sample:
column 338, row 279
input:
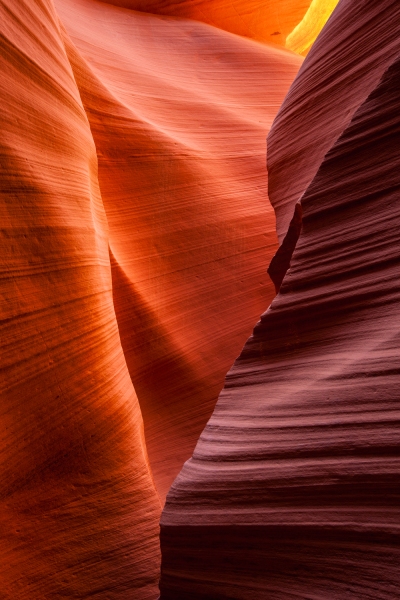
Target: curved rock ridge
column 344, row 65
column 268, row 21
column 179, row 111
column 306, row 32
column 78, row 508
column 293, row 490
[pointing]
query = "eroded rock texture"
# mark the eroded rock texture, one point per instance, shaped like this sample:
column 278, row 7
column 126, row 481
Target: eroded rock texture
column 293, row 490
column 135, row 232
column 179, row 111
column 269, row 21
column 343, row 67
column 78, row 508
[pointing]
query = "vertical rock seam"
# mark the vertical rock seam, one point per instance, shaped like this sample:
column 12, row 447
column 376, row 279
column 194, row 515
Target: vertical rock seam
column 280, row 262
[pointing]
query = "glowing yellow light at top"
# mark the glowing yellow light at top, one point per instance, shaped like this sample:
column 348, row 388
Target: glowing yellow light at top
column 305, row 33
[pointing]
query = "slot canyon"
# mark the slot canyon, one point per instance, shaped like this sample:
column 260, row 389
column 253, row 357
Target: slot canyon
column 200, row 287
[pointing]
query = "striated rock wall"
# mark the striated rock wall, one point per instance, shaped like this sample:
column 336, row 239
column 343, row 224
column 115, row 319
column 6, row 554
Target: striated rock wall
column 293, row 488
column 78, row 508
column 134, row 235
column 343, row 67
column 179, row 111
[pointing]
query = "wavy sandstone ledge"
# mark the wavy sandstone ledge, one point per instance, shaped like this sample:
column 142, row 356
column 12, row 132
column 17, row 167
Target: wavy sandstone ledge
column 269, row 21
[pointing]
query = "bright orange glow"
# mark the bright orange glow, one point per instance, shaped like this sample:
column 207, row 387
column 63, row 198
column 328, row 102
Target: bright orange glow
column 268, row 21
column 306, row 32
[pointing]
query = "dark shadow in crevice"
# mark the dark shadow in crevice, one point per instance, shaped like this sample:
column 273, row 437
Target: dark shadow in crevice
column 281, row 261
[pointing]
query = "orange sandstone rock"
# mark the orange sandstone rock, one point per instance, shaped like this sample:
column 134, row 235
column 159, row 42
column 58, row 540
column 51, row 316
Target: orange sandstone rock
column 179, row 111
column 267, row 21
column 78, row 508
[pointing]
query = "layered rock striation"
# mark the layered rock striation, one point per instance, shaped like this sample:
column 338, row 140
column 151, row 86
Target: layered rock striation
column 135, row 232
column 293, row 488
column 268, row 21
column 344, row 65
column 191, row 230
column 78, row 508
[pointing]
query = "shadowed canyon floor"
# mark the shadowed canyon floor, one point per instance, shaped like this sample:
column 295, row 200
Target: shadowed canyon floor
column 135, row 234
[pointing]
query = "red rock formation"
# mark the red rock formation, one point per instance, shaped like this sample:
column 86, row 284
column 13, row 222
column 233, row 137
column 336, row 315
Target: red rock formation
column 78, row 509
column 179, row 111
column 269, row 21
column 293, row 490
column 342, row 68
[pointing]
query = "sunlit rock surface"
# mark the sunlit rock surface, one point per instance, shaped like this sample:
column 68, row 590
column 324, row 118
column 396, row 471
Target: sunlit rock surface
column 293, row 490
column 269, row 21
column 78, row 508
column 306, row 32
column 179, row 113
